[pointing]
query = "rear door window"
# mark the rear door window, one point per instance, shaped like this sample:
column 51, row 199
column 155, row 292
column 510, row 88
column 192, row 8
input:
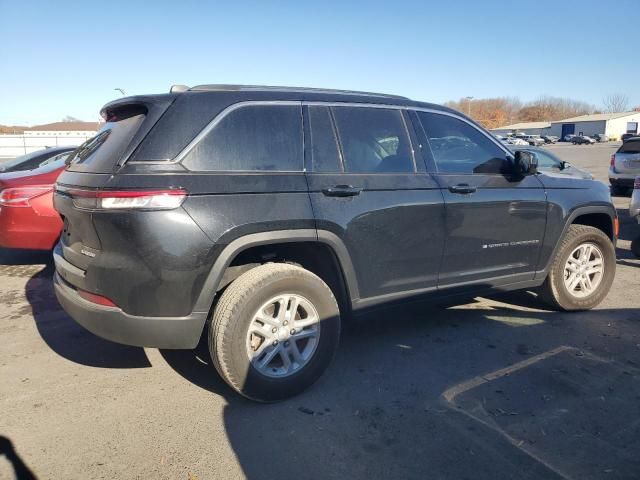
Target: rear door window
column 325, row 155
column 460, row 148
column 252, row 138
column 373, row 140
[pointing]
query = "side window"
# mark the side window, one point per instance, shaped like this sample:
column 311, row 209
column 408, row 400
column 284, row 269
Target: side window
column 374, row 140
column 546, row 161
column 324, row 147
column 255, row 137
column 458, row 147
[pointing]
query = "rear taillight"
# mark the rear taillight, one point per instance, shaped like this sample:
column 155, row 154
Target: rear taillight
column 613, row 160
column 21, row 196
column 124, row 199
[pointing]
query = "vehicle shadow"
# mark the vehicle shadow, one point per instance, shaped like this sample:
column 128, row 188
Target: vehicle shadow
column 20, row 469
column 57, row 329
column 379, row 411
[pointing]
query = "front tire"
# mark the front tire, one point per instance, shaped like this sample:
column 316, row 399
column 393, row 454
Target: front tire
column 582, row 271
column 274, row 332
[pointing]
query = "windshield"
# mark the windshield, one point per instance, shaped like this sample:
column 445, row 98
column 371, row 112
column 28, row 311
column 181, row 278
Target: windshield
column 18, row 160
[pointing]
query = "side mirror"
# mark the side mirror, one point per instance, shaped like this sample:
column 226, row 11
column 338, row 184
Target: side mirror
column 525, row 163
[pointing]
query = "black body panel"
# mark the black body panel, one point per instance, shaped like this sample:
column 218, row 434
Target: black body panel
column 394, row 235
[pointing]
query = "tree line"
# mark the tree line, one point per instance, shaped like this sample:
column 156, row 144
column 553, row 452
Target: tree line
column 501, row 111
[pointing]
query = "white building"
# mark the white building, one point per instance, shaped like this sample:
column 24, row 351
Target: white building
column 613, row 125
column 527, row 128
column 43, row 136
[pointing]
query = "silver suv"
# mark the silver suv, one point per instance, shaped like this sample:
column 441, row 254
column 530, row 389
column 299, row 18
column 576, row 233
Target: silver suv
column 634, row 212
column 625, row 166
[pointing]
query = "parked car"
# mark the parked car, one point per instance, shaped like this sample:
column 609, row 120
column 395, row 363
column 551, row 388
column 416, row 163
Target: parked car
column 568, row 138
column 582, row 140
column 634, row 213
column 514, row 141
column 550, row 139
column 272, row 214
column 33, row 160
column 27, row 217
column 625, row 166
column 549, row 163
column 627, row 136
column 600, row 138
column 533, row 140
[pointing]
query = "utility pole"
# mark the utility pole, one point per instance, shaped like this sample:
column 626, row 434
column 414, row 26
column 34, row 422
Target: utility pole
column 469, row 105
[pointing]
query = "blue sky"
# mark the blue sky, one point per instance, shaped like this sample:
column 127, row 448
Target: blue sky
column 65, row 58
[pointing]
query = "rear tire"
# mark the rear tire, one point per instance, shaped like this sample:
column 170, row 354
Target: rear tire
column 274, row 332
column 570, row 266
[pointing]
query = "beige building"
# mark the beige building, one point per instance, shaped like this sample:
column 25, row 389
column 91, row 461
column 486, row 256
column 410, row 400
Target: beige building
column 64, row 129
column 527, row 128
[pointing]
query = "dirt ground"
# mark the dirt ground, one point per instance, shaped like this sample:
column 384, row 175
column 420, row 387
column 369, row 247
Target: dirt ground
column 496, row 388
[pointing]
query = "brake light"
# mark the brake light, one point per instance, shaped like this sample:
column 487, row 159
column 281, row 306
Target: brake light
column 97, row 299
column 613, row 160
column 125, row 199
column 21, row 196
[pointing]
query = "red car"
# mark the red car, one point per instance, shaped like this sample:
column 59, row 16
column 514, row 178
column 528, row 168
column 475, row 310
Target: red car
column 27, row 217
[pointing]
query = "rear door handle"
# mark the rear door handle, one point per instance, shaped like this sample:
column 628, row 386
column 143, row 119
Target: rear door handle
column 462, row 188
column 341, row 191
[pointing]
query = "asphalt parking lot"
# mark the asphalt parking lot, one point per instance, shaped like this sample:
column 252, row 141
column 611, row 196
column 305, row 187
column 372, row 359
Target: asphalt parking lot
column 496, row 388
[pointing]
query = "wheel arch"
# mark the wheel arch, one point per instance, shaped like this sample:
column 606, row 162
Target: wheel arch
column 602, row 217
column 280, row 240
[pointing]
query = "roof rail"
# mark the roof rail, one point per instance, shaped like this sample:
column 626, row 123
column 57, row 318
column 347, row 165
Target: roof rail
column 254, row 88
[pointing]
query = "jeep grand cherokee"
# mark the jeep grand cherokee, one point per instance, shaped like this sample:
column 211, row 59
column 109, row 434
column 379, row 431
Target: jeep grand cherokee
column 265, row 215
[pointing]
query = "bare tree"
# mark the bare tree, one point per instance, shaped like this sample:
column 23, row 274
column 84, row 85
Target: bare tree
column 489, row 112
column 616, row 102
column 501, row 111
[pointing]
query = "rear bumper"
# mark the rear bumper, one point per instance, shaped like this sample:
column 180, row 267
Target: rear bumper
column 115, row 325
column 621, row 179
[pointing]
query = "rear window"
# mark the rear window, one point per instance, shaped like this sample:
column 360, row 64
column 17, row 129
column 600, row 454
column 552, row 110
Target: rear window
column 630, row 146
column 101, row 153
column 374, row 140
column 252, row 138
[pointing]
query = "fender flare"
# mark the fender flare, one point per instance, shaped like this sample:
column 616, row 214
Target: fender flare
column 210, row 286
column 585, row 210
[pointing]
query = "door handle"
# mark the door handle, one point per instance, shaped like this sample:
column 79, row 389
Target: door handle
column 462, row 188
column 341, row 191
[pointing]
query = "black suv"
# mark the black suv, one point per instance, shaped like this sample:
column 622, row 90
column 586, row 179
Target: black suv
column 265, row 215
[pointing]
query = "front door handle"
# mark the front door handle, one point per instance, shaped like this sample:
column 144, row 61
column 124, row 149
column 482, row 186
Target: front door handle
column 462, row 188
column 341, row 191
